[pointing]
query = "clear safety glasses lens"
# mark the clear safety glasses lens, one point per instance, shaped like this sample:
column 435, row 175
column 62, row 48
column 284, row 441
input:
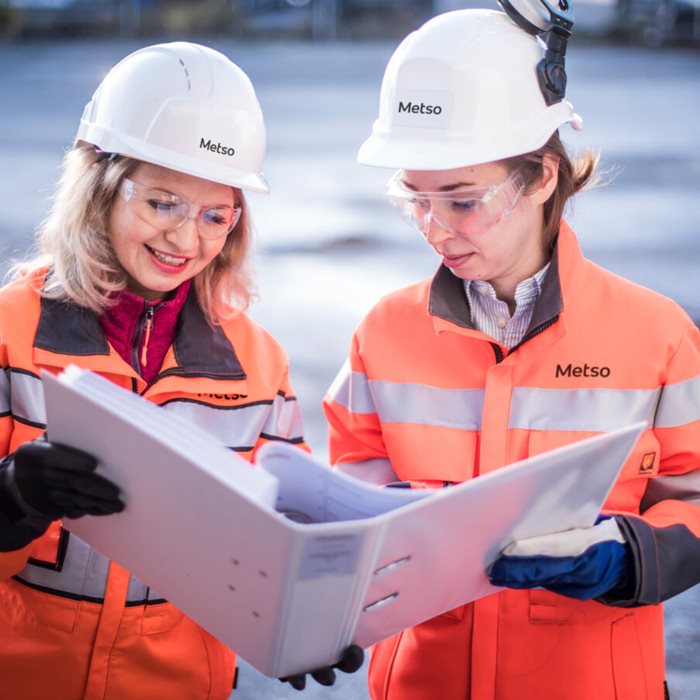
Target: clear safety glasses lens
column 168, row 212
column 467, row 211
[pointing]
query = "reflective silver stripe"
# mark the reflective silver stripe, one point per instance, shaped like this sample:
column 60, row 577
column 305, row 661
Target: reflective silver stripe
column 351, row 391
column 27, row 397
column 595, row 410
column 679, row 404
column 284, row 421
column 403, row 402
column 237, row 427
column 428, row 405
column 681, row 487
column 138, row 592
column 84, row 571
column 83, row 575
column 4, row 391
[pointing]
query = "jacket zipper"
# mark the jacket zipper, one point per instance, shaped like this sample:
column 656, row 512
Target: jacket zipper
column 534, row 332
column 498, row 353
column 149, row 326
column 145, row 326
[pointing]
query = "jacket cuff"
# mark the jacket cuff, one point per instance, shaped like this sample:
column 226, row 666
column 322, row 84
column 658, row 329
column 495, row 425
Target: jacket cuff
column 13, row 561
column 11, row 503
column 643, row 587
column 17, row 534
column 19, row 524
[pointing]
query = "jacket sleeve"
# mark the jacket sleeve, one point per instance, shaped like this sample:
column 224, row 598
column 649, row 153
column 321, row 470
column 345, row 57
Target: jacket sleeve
column 12, row 559
column 284, row 421
column 355, row 431
column 665, row 539
column 5, row 410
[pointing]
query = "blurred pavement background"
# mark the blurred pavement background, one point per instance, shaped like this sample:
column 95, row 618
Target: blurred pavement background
column 328, row 245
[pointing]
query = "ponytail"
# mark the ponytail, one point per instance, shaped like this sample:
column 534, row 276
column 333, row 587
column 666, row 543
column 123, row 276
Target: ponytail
column 575, row 175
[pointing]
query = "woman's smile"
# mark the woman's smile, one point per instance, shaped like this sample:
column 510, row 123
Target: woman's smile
column 167, row 261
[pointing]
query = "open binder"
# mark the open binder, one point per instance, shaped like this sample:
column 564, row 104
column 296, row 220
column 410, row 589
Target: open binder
column 290, row 562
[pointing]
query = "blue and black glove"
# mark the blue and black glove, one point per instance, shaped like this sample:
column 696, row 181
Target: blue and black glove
column 352, row 659
column 42, row 481
column 581, row 563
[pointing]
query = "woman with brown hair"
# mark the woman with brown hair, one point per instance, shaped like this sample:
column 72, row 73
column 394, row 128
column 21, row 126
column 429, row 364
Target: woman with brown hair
column 516, row 346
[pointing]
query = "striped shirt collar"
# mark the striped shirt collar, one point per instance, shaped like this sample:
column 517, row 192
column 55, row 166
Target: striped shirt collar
column 490, row 315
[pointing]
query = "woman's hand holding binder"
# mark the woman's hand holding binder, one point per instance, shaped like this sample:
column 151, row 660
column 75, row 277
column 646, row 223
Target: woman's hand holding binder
column 352, row 659
column 57, row 481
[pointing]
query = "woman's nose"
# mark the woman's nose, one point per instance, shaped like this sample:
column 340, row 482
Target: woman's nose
column 185, row 236
column 435, row 233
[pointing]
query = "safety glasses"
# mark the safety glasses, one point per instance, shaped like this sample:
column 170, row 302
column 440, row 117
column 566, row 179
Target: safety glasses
column 467, row 211
column 169, row 212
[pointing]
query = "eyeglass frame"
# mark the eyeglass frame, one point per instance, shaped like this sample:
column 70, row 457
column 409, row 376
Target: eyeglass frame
column 397, row 191
column 128, row 190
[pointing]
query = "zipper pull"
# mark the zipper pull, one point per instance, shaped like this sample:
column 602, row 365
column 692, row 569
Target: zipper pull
column 149, row 324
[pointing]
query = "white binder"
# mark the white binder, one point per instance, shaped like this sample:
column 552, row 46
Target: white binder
column 350, row 562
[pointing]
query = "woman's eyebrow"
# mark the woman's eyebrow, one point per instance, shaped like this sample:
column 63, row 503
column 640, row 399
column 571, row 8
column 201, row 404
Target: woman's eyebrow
column 445, row 188
column 161, row 188
column 168, row 191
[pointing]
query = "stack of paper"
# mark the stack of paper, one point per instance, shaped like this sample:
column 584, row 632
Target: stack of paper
column 351, row 562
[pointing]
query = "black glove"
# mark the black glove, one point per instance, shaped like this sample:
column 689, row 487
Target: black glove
column 55, row 481
column 352, row 659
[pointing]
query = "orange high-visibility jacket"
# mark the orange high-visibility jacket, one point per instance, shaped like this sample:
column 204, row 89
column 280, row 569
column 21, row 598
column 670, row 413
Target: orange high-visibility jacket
column 72, row 623
column 444, row 403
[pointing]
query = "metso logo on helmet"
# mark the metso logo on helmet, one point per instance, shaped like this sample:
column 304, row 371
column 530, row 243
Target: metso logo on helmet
column 423, row 108
column 419, row 109
column 217, row 147
column 158, row 103
column 483, row 67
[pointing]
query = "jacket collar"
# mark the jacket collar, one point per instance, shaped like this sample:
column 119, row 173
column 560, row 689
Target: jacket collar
column 448, row 300
column 65, row 328
column 201, row 349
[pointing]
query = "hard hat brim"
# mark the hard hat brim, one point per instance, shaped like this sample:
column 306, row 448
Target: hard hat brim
column 411, row 152
column 149, row 153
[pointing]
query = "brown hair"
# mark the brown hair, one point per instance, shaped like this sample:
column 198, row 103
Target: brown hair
column 73, row 241
column 574, row 175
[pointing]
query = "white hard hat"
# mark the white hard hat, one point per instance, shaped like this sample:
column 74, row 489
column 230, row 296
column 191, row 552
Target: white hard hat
column 182, row 106
column 463, row 90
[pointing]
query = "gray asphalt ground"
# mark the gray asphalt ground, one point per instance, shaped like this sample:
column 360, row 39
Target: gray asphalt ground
column 329, row 246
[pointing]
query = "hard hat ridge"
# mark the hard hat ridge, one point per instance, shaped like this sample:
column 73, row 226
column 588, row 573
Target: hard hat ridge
column 183, row 106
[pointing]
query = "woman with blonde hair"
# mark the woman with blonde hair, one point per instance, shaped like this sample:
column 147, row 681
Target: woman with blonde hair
column 143, row 277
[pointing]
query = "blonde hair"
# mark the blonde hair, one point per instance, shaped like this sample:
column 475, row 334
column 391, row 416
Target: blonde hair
column 73, row 242
column 574, row 175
